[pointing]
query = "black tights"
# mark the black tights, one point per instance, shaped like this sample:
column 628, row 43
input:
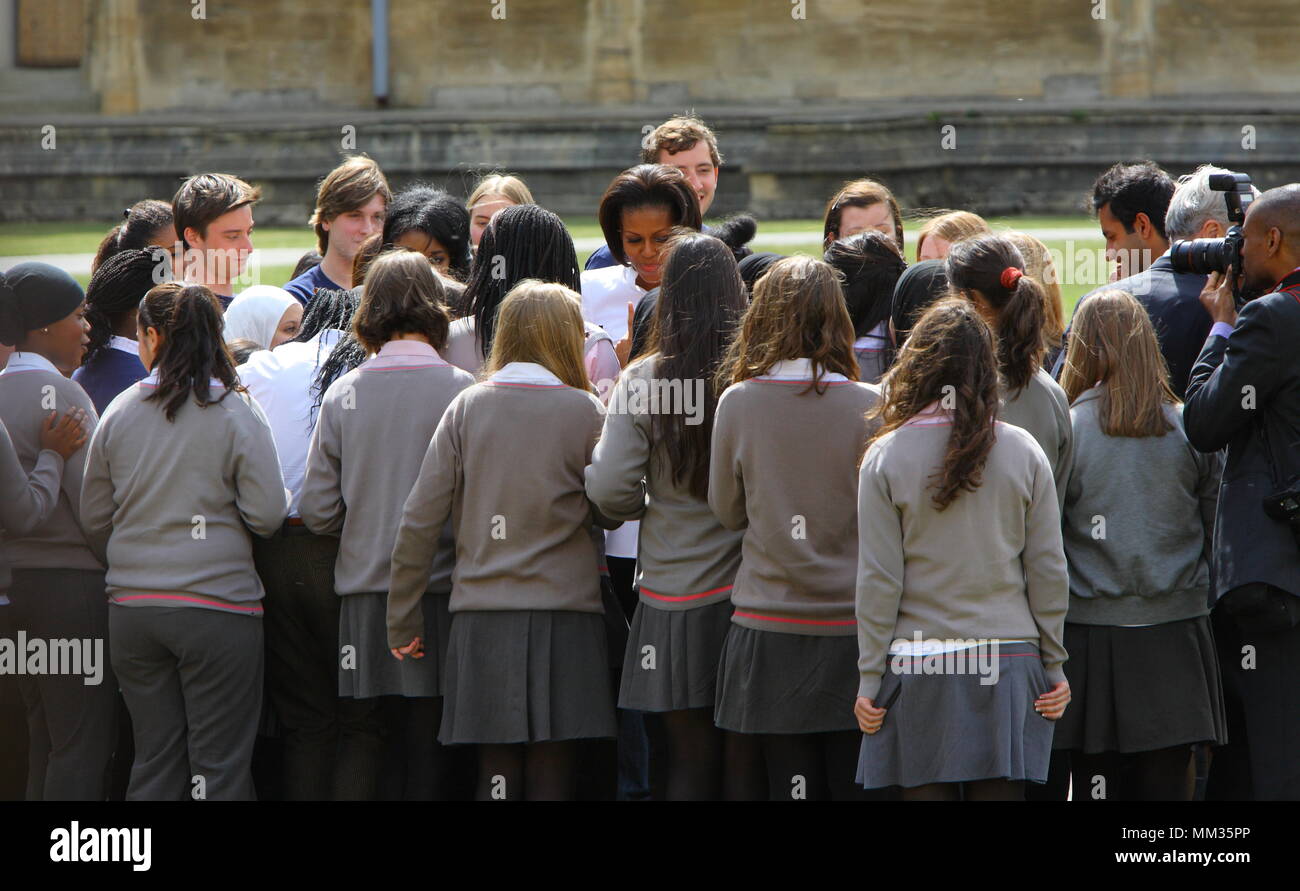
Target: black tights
column 706, row 763
column 1158, row 775
column 978, row 790
column 544, row 771
column 813, row 766
column 418, row 767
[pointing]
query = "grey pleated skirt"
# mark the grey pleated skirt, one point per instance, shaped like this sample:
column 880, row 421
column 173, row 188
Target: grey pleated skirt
column 950, row 728
column 527, row 676
column 671, row 659
column 1141, row 689
column 363, row 625
column 774, row 682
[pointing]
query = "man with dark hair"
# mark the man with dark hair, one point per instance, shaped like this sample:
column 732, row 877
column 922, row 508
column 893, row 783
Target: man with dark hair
column 1244, row 396
column 213, row 214
column 1131, row 201
column 684, row 142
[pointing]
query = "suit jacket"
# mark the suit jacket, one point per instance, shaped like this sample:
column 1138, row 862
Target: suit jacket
column 1241, row 389
column 1172, row 300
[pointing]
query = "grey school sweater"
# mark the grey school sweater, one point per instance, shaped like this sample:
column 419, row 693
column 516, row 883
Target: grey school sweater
column 990, row 565
column 784, row 470
column 1041, row 408
column 506, row 466
column 1139, row 520
column 175, row 500
column 685, row 557
column 374, row 426
column 25, row 500
column 30, row 388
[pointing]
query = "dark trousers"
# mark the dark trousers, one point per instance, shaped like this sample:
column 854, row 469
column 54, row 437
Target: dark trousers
column 71, row 724
column 13, row 725
column 192, row 680
column 1261, row 693
column 332, row 746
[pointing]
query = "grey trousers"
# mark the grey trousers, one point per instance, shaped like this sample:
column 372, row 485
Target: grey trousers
column 192, row 680
column 71, row 725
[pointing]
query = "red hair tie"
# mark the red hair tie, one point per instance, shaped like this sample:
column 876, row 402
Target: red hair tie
column 1010, row 276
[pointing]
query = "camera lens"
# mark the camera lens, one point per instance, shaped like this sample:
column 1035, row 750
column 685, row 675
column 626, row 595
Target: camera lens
column 1200, row 256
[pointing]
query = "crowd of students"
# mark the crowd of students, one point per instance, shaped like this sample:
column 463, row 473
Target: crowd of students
column 446, row 516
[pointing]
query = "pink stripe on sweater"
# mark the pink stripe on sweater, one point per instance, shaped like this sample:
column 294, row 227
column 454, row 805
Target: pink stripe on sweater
column 118, row 598
column 678, row 598
column 796, row 621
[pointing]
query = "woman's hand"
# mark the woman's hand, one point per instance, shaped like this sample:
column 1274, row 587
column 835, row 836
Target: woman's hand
column 869, row 717
column 66, row 436
column 623, row 349
column 1051, row 705
column 415, row 649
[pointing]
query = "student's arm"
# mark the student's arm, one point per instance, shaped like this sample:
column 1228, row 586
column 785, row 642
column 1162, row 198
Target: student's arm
column 72, row 396
column 1047, row 584
column 1064, row 449
column 615, row 477
column 27, row 499
column 320, row 500
column 1233, row 379
column 425, row 513
column 602, row 367
column 880, row 573
column 260, row 495
column 726, row 481
column 598, row 515
column 97, row 503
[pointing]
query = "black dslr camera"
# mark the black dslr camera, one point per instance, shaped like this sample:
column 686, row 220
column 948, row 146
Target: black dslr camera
column 1205, row 255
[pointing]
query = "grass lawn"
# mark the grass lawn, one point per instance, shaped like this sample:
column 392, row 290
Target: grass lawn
column 1078, row 265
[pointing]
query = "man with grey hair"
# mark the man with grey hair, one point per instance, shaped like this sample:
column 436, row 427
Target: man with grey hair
column 1196, row 210
column 1172, row 299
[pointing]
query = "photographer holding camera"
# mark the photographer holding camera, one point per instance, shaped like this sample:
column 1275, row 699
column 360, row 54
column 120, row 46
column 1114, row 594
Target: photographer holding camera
column 1244, row 395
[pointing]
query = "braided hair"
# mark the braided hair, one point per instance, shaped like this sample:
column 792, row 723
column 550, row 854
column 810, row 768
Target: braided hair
column 524, row 241
column 141, row 223
column 114, row 293
column 332, row 310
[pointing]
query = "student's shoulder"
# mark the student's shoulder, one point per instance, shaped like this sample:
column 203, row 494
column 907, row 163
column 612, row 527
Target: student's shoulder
column 1018, row 446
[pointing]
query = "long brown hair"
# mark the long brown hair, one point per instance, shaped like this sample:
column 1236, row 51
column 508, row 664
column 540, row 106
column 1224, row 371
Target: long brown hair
column 402, row 295
column 798, row 312
column 192, row 350
column 1040, row 266
column 541, row 322
column 1113, row 343
column 701, row 300
column 948, row 358
column 978, row 264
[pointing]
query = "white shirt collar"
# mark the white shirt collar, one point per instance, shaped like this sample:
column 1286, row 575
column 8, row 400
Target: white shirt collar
column 526, row 373
column 28, row 361
column 151, row 380
column 874, row 339
column 125, row 344
column 799, row 370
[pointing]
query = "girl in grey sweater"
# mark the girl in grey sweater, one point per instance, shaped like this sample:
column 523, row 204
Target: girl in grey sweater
column 652, row 465
column 181, row 468
column 526, row 674
column 787, row 439
column 1139, row 518
column 961, row 587
column 57, row 588
column 388, row 406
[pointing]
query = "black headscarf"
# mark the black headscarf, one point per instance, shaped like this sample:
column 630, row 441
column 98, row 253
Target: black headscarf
column 920, row 286
column 33, row 295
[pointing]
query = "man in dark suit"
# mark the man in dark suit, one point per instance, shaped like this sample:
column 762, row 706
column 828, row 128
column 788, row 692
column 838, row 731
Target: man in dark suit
column 1244, row 396
column 1133, row 202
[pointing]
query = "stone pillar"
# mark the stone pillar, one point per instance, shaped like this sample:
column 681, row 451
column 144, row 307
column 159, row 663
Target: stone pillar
column 117, row 55
column 1128, row 47
column 614, row 41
